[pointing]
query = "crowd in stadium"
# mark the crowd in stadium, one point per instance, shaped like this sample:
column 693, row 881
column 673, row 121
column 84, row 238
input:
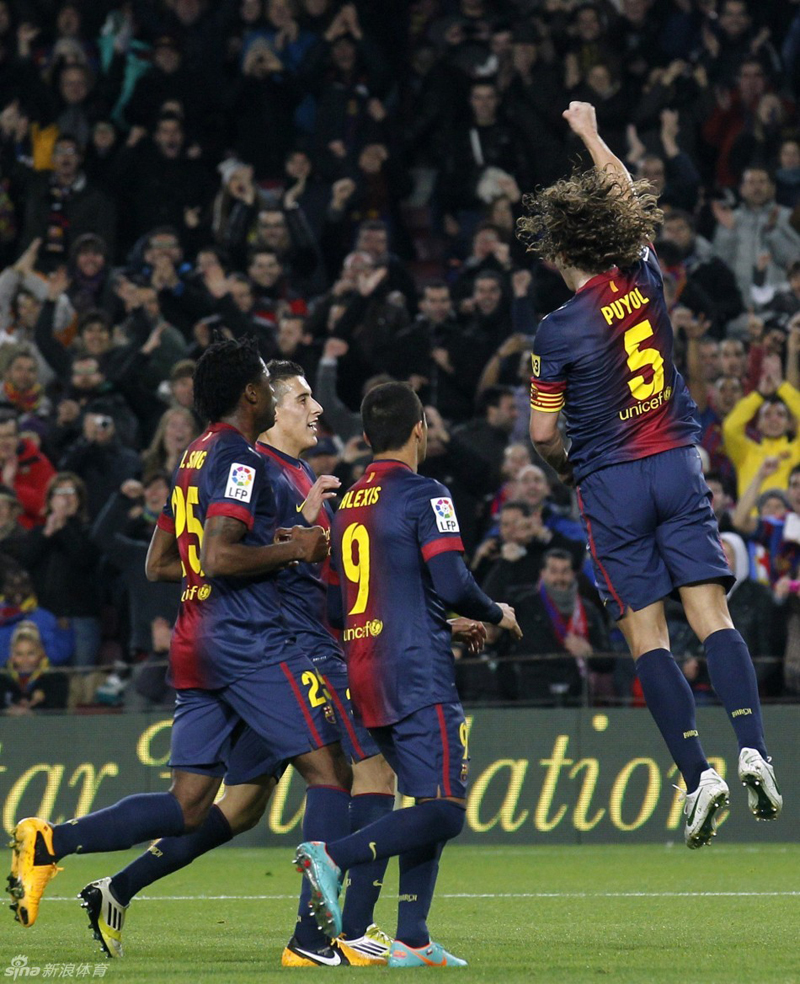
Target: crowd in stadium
column 342, row 180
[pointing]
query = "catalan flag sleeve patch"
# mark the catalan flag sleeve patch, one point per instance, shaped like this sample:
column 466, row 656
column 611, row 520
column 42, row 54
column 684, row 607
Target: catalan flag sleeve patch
column 548, row 397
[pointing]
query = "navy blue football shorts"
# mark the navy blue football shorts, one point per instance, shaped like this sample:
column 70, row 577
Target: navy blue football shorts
column 357, row 742
column 255, row 725
column 428, row 751
column 651, row 529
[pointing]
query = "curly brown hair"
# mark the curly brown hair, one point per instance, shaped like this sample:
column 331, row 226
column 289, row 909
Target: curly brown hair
column 591, row 221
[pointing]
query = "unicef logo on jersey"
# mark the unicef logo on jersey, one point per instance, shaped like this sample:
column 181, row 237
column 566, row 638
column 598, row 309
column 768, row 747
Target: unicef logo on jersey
column 445, row 513
column 368, row 631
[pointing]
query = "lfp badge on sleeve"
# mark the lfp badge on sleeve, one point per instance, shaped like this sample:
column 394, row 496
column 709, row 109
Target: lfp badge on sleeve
column 445, row 513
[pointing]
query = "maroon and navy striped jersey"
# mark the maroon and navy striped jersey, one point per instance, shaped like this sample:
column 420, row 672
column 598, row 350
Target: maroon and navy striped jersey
column 226, row 626
column 396, row 637
column 303, row 586
column 605, row 358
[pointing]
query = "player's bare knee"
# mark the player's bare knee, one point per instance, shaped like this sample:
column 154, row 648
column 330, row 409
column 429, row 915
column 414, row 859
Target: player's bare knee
column 373, row 775
column 706, row 608
column 325, row 766
column 195, row 794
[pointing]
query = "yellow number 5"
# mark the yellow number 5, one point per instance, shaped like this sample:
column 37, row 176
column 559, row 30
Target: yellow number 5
column 187, row 523
column 638, row 358
column 356, row 563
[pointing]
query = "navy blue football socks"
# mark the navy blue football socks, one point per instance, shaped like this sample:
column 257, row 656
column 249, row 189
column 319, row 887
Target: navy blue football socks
column 733, row 678
column 134, row 819
column 326, row 817
column 364, row 882
column 671, row 702
column 398, row 832
column 418, row 871
column 170, row 854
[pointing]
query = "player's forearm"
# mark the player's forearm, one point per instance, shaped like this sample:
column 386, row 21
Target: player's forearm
column 224, row 559
column 163, row 561
column 742, row 517
column 459, row 591
column 604, row 157
column 551, row 449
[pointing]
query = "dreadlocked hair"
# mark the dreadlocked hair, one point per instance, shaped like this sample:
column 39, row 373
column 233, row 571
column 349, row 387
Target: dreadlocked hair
column 591, row 221
column 221, row 375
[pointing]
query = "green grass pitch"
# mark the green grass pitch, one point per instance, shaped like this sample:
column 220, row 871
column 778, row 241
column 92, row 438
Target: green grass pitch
column 728, row 913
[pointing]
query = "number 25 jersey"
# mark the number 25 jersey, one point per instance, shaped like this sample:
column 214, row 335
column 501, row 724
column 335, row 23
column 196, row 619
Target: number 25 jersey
column 226, row 626
column 605, row 358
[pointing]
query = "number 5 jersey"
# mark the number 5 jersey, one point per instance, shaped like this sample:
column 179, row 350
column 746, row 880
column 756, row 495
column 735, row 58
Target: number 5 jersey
column 605, row 358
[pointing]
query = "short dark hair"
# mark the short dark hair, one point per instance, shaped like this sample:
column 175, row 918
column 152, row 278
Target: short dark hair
column 258, row 250
column 389, row 413
column 92, row 317
column 279, row 371
column 683, row 215
column 492, row 396
column 559, row 553
column 434, row 285
column 519, row 504
column 221, row 375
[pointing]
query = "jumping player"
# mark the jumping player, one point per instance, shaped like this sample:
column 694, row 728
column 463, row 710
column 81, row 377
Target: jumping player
column 232, row 661
column 605, row 358
column 396, row 551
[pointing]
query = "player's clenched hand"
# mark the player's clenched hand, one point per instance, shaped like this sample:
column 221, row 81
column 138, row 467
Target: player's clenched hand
column 581, row 118
column 311, row 541
column 469, row 632
column 321, row 490
column 509, row 620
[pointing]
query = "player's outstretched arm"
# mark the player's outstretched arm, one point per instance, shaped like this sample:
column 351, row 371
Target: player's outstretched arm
column 583, row 123
column 163, row 561
column 224, row 555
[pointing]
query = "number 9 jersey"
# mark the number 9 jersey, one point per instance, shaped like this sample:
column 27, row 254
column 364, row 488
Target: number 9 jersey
column 226, row 627
column 605, row 358
column 396, row 638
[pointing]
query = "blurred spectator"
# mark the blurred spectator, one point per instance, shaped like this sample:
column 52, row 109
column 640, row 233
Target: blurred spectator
column 12, row 533
column 24, row 469
column 772, row 404
column 557, row 621
column 24, row 393
column 62, row 562
column 699, row 269
column 19, row 602
column 476, row 454
column 752, row 610
column 28, row 684
column 158, row 183
column 122, row 534
column 756, row 240
column 99, row 457
column 525, row 540
column 90, row 280
column 62, row 206
column 477, row 157
column 176, row 430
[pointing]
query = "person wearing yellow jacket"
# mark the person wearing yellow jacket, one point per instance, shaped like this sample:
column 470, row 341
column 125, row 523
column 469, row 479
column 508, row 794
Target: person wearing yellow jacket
column 775, row 403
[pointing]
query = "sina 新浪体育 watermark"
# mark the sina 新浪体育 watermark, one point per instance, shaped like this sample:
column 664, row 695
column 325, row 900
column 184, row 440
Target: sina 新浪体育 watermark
column 19, row 969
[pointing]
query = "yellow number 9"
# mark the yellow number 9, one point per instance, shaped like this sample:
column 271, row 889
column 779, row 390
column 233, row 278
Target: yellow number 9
column 357, row 570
